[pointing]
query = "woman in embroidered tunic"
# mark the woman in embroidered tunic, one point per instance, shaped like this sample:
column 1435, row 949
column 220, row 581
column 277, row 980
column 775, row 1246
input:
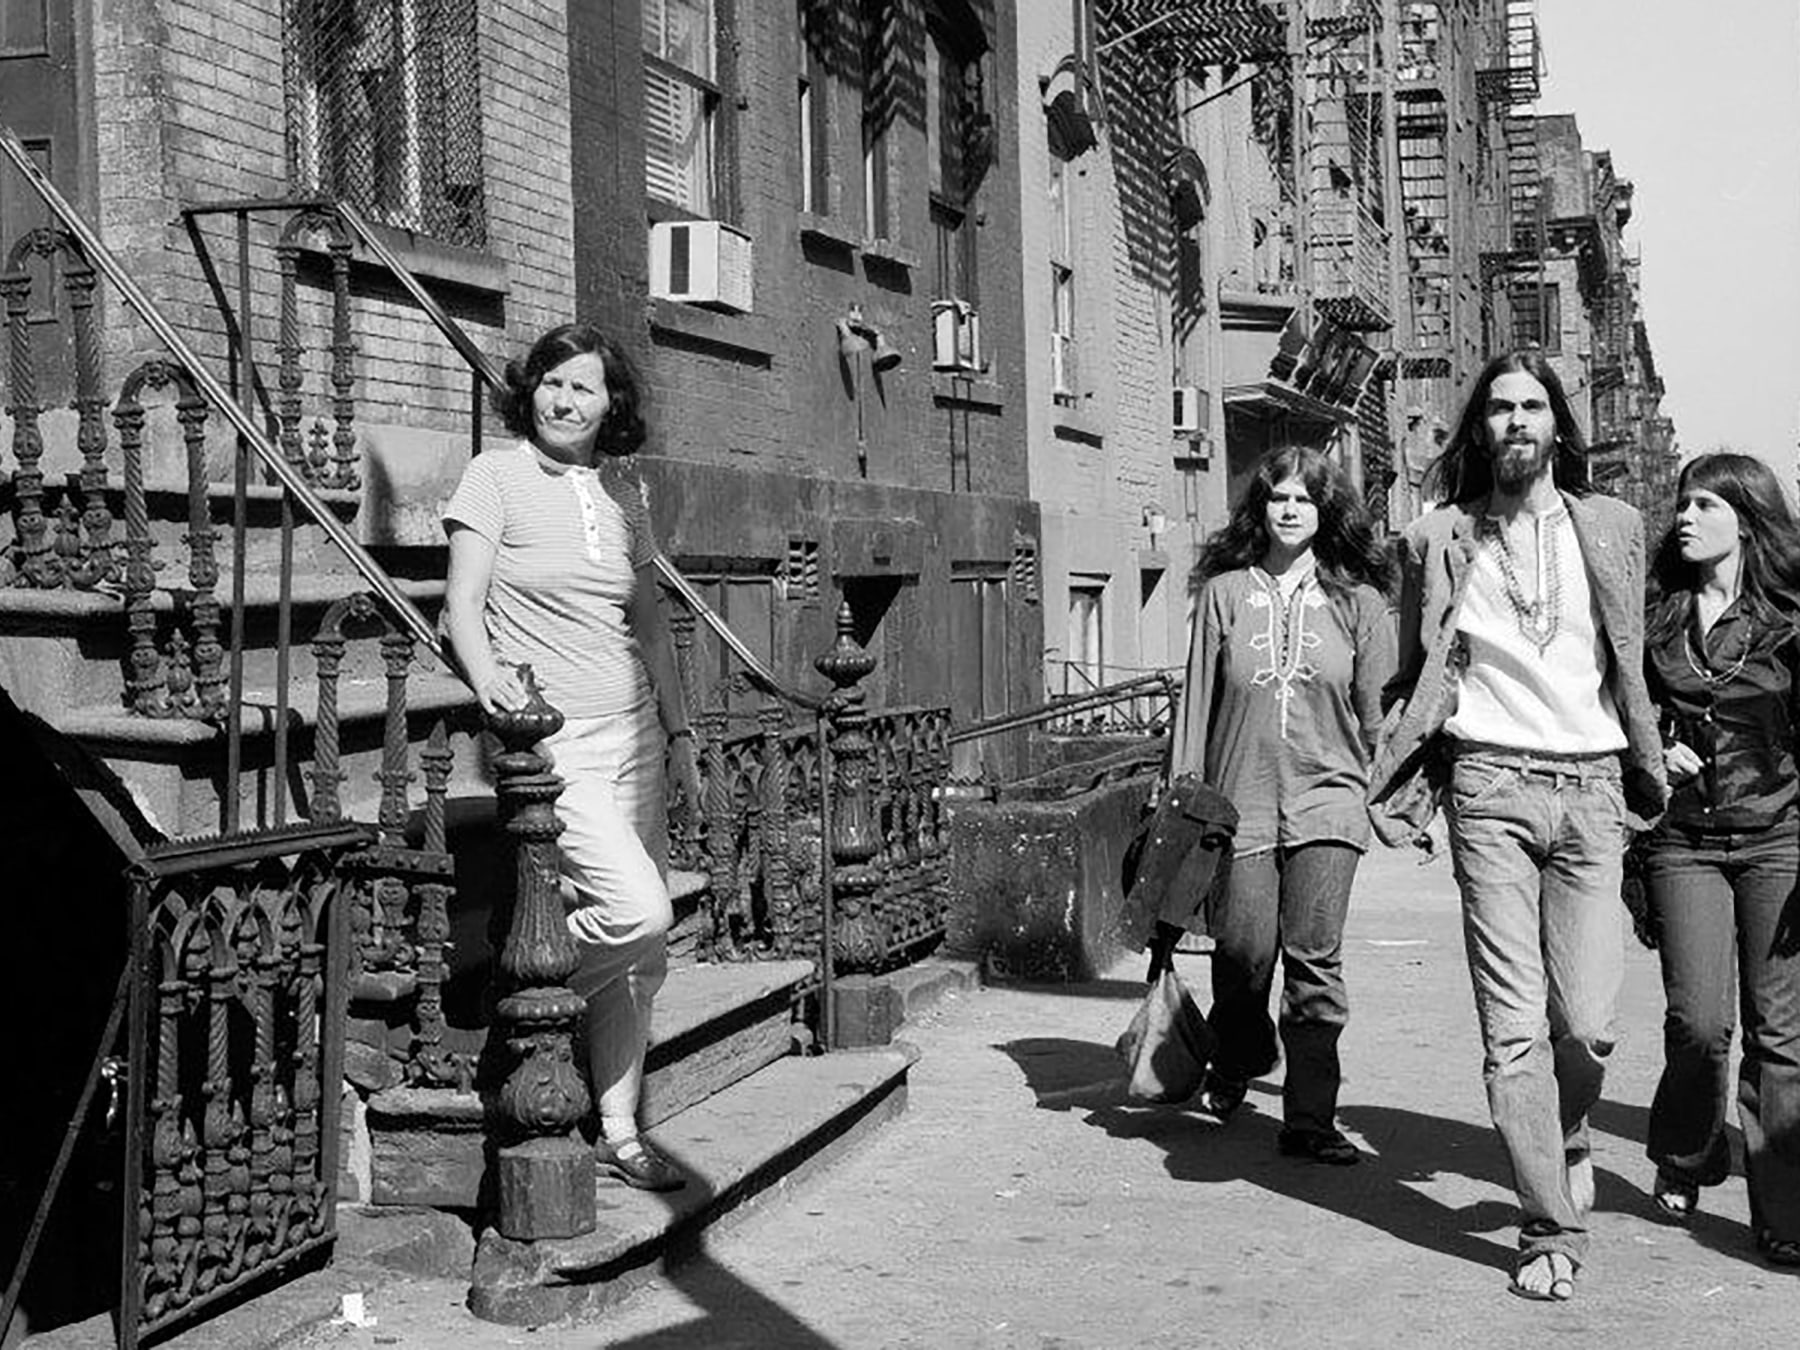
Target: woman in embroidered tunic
column 551, row 557
column 1722, row 659
column 1292, row 643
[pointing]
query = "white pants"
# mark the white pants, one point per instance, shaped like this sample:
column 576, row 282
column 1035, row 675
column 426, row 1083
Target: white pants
column 615, row 856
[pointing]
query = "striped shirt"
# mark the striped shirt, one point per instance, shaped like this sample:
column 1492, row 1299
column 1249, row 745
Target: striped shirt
column 569, row 545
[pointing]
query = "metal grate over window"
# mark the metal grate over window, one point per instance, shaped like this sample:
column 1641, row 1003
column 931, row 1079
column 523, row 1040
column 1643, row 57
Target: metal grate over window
column 384, row 111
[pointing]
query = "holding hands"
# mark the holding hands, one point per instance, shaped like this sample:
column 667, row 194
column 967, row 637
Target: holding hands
column 1681, row 761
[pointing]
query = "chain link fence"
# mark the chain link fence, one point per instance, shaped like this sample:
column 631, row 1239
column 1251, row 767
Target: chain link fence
column 384, row 111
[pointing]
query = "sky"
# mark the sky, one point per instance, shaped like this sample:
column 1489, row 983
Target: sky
column 1700, row 106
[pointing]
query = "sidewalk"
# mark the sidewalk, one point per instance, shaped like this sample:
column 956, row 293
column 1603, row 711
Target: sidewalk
column 1020, row 1202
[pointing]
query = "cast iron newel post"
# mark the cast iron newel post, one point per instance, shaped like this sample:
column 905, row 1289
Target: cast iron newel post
column 849, row 840
column 545, row 1171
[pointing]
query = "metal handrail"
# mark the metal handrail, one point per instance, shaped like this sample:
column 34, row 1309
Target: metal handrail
column 480, row 363
column 1050, row 710
column 100, row 257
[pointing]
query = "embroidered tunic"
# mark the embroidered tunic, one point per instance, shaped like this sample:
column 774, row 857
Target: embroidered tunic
column 1281, row 706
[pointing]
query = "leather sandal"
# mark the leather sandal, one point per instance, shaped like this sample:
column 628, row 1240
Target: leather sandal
column 1783, row 1252
column 1221, row 1095
column 1322, row 1146
column 638, row 1165
column 1560, row 1268
column 1676, row 1198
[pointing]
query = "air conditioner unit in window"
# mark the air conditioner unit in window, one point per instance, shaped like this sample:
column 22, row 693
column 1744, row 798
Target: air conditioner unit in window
column 704, row 262
column 956, row 336
column 1190, row 410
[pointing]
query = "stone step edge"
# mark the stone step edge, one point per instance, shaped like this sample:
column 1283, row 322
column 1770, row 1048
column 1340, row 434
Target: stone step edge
column 358, row 701
column 680, row 1024
column 812, row 1110
column 261, row 591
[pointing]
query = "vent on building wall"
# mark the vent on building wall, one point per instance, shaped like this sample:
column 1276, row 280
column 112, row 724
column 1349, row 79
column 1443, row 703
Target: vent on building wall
column 800, row 577
column 956, row 336
column 702, row 262
column 1025, row 568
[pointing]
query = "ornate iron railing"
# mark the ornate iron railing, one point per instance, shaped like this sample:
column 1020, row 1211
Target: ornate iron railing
column 238, row 970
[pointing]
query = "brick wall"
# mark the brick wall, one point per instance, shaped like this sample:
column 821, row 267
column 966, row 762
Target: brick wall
column 752, row 416
column 188, row 98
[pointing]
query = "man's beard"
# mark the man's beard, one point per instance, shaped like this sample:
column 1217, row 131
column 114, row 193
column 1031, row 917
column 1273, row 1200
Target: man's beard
column 1517, row 464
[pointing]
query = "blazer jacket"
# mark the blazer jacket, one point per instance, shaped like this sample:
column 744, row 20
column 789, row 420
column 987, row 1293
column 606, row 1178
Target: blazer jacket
column 1407, row 773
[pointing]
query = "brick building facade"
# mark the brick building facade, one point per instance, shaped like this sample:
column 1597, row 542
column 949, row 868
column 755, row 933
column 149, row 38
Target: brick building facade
column 517, row 155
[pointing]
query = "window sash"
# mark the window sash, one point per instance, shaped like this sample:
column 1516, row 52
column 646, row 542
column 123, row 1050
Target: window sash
column 681, row 33
column 678, row 136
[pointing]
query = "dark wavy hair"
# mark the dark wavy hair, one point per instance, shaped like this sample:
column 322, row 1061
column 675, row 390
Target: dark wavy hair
column 622, row 432
column 1345, row 548
column 1465, row 470
column 1769, row 582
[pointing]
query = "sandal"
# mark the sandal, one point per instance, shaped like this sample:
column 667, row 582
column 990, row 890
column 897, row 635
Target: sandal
column 1322, row 1146
column 1676, row 1198
column 1561, row 1270
column 1783, row 1252
column 634, row 1162
column 1221, row 1095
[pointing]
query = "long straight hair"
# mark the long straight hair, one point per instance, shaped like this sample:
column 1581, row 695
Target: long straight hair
column 1769, row 577
column 1464, row 472
column 1345, row 549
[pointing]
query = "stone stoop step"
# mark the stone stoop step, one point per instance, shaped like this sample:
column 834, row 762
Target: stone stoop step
column 796, row 1115
column 712, row 1025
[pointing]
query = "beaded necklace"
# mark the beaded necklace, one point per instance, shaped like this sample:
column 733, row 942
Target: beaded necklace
column 1697, row 662
column 1539, row 619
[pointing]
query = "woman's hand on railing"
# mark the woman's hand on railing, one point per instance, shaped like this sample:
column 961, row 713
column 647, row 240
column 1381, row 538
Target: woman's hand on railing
column 684, row 767
column 501, row 691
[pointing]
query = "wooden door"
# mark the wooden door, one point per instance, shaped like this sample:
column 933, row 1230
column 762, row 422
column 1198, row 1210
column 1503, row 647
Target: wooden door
column 39, row 101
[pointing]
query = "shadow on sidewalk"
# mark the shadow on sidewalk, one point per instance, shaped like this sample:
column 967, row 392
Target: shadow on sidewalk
column 732, row 1315
column 1069, row 1075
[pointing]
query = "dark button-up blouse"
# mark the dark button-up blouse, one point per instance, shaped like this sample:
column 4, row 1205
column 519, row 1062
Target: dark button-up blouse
column 1730, row 696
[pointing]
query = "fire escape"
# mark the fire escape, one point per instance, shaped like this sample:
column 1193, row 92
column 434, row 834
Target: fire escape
column 1421, row 126
column 1511, row 87
column 1349, row 239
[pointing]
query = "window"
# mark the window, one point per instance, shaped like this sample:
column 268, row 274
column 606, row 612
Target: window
column 682, row 99
column 1063, row 385
column 1083, row 664
column 1537, row 317
column 745, row 600
column 979, row 675
column 880, row 108
column 956, row 130
column 383, row 109
column 815, row 109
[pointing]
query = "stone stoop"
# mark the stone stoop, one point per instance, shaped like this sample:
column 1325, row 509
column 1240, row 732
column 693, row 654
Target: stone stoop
column 763, row 1133
column 713, row 1025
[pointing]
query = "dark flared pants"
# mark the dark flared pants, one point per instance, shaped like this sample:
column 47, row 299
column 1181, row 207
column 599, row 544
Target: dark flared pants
column 1719, row 900
column 1292, row 901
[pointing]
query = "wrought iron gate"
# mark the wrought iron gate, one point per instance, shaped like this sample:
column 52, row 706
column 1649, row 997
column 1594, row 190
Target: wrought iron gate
column 237, row 993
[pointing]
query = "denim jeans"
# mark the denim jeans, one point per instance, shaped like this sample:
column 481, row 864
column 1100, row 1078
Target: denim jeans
column 1294, row 900
column 1718, row 899
column 1538, row 845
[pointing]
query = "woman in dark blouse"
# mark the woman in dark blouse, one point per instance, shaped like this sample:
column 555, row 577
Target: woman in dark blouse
column 1722, row 655
column 1292, row 643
